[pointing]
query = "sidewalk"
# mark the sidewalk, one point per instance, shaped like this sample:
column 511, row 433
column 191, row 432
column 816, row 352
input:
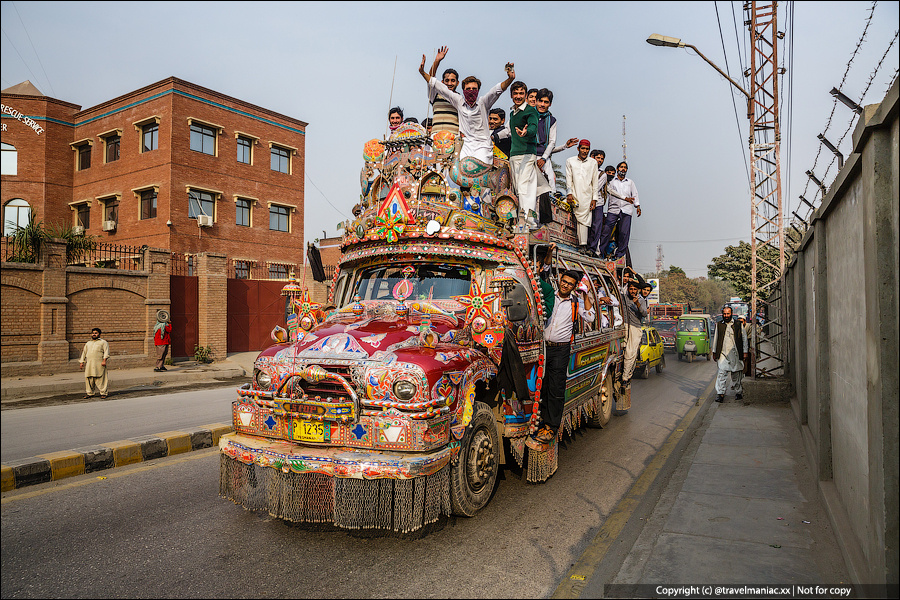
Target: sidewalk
column 739, row 507
column 184, row 372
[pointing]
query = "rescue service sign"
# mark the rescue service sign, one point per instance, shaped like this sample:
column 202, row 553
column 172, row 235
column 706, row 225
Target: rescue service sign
column 9, row 110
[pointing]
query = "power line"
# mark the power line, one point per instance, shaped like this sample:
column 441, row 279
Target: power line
column 25, row 29
column 733, row 103
column 33, row 76
column 326, row 198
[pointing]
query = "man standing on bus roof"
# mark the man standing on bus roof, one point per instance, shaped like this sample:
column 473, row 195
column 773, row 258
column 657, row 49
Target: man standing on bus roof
column 581, row 184
column 558, row 337
column 729, row 352
column 472, row 111
column 623, row 203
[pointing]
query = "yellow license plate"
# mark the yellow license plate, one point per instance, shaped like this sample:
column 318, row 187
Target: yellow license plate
column 312, row 431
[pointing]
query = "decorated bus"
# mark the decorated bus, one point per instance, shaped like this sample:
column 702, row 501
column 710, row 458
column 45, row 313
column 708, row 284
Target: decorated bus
column 398, row 402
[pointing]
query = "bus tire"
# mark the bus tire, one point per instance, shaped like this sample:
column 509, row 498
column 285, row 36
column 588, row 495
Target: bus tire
column 473, row 478
column 602, row 416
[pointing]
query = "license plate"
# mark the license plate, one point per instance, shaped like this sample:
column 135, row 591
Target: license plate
column 312, row 431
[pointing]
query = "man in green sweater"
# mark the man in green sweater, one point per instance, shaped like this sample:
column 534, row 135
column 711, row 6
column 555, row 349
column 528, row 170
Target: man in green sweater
column 523, row 123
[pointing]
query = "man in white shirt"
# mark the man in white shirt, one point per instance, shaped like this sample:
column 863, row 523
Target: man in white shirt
column 472, row 111
column 558, row 336
column 623, row 202
column 581, row 184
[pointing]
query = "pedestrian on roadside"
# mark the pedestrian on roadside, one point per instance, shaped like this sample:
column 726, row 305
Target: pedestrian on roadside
column 730, row 352
column 93, row 361
column 161, row 339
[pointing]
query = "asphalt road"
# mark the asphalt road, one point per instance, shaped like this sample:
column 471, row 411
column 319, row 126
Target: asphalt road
column 160, row 530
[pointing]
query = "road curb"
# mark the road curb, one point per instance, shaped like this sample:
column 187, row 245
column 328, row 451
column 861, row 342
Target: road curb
column 611, row 534
column 54, row 466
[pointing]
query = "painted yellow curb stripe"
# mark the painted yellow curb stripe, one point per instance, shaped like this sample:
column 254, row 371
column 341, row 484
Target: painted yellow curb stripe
column 575, row 580
column 125, row 452
column 177, row 442
column 64, row 464
column 8, row 479
column 218, row 430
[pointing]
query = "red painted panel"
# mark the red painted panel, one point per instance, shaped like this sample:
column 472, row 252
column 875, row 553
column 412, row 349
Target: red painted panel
column 254, row 308
column 184, row 296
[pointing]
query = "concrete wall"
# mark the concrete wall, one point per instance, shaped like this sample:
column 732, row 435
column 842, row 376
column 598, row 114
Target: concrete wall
column 840, row 298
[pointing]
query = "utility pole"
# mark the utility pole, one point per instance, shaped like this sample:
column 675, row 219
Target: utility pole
column 766, row 218
column 659, row 259
column 624, row 145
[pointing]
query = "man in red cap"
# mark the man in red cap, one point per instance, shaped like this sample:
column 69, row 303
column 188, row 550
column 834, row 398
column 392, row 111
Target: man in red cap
column 582, row 188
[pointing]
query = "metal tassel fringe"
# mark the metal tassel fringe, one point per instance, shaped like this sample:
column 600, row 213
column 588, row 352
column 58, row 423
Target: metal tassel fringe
column 543, row 464
column 400, row 505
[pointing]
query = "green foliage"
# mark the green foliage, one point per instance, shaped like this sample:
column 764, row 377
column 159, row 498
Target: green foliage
column 27, row 241
column 203, row 354
column 734, row 267
column 674, row 269
column 699, row 292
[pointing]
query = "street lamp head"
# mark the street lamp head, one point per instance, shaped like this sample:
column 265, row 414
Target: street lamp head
column 664, row 40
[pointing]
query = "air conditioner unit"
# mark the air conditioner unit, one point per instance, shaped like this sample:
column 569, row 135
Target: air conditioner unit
column 78, row 230
column 204, row 221
column 109, row 225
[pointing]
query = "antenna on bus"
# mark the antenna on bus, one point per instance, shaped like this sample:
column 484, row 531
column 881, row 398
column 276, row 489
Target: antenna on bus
column 624, row 145
column 391, row 99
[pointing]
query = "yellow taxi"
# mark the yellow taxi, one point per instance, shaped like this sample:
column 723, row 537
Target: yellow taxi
column 651, row 353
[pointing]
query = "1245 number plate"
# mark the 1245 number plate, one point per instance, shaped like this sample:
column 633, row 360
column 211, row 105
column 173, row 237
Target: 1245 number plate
column 312, row 431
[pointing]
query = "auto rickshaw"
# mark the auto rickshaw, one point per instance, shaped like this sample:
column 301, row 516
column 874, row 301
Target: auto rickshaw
column 692, row 337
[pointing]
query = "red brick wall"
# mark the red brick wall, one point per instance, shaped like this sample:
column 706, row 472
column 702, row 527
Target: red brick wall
column 48, row 178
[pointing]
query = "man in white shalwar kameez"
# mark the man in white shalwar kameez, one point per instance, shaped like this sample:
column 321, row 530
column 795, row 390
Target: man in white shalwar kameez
column 730, row 352
column 93, row 361
column 581, row 182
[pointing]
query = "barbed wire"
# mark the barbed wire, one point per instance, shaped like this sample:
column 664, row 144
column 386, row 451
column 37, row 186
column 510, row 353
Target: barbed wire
column 859, row 44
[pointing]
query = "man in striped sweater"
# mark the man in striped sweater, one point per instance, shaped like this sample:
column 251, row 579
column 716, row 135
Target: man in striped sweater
column 445, row 115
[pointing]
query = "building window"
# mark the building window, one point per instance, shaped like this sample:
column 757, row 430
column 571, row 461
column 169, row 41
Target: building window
column 281, row 159
column 16, row 214
column 84, row 157
column 242, row 269
column 111, row 209
column 83, row 215
column 148, row 204
column 278, row 271
column 112, row 148
column 203, row 139
column 244, row 150
column 242, row 210
column 279, row 218
column 201, row 203
column 10, row 160
column 149, row 137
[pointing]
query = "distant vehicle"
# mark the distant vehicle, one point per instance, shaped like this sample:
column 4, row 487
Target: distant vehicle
column 665, row 326
column 692, row 337
column 739, row 308
column 651, row 353
column 672, row 310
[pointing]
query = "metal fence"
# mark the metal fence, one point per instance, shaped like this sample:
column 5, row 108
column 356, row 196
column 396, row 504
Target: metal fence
column 110, row 256
column 13, row 252
column 245, row 269
column 183, row 264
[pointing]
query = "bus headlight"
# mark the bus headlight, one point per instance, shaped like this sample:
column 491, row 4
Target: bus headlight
column 404, row 390
column 263, row 380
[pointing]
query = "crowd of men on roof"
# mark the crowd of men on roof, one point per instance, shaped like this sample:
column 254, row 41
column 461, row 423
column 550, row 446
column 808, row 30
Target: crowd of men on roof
column 603, row 200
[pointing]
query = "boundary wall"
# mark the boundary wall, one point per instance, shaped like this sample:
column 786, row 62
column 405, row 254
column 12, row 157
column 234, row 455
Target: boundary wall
column 839, row 295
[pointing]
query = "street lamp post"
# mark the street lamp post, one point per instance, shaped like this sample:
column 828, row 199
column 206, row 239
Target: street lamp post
column 766, row 223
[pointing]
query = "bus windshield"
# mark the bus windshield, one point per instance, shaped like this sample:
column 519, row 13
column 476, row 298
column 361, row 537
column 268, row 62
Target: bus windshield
column 429, row 281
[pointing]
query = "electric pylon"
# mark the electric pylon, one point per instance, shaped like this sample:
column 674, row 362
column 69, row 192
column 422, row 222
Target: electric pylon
column 766, row 218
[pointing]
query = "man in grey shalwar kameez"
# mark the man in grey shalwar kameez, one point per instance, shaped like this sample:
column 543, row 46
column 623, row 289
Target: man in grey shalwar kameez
column 730, row 352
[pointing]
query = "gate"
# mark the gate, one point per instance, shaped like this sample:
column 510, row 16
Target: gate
column 184, row 308
column 255, row 307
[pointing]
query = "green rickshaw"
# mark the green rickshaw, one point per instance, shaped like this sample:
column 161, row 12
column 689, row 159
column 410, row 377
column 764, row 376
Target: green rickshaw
column 692, row 337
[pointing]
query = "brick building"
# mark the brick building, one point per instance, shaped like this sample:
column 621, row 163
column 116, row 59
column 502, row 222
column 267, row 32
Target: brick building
column 171, row 165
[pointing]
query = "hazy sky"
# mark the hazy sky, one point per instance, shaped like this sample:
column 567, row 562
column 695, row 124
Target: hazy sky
column 332, row 65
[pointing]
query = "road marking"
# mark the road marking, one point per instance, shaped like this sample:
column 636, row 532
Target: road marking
column 105, row 475
column 581, row 572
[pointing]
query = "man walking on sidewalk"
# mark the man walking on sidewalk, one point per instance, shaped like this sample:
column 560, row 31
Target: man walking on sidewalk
column 93, row 361
column 729, row 353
